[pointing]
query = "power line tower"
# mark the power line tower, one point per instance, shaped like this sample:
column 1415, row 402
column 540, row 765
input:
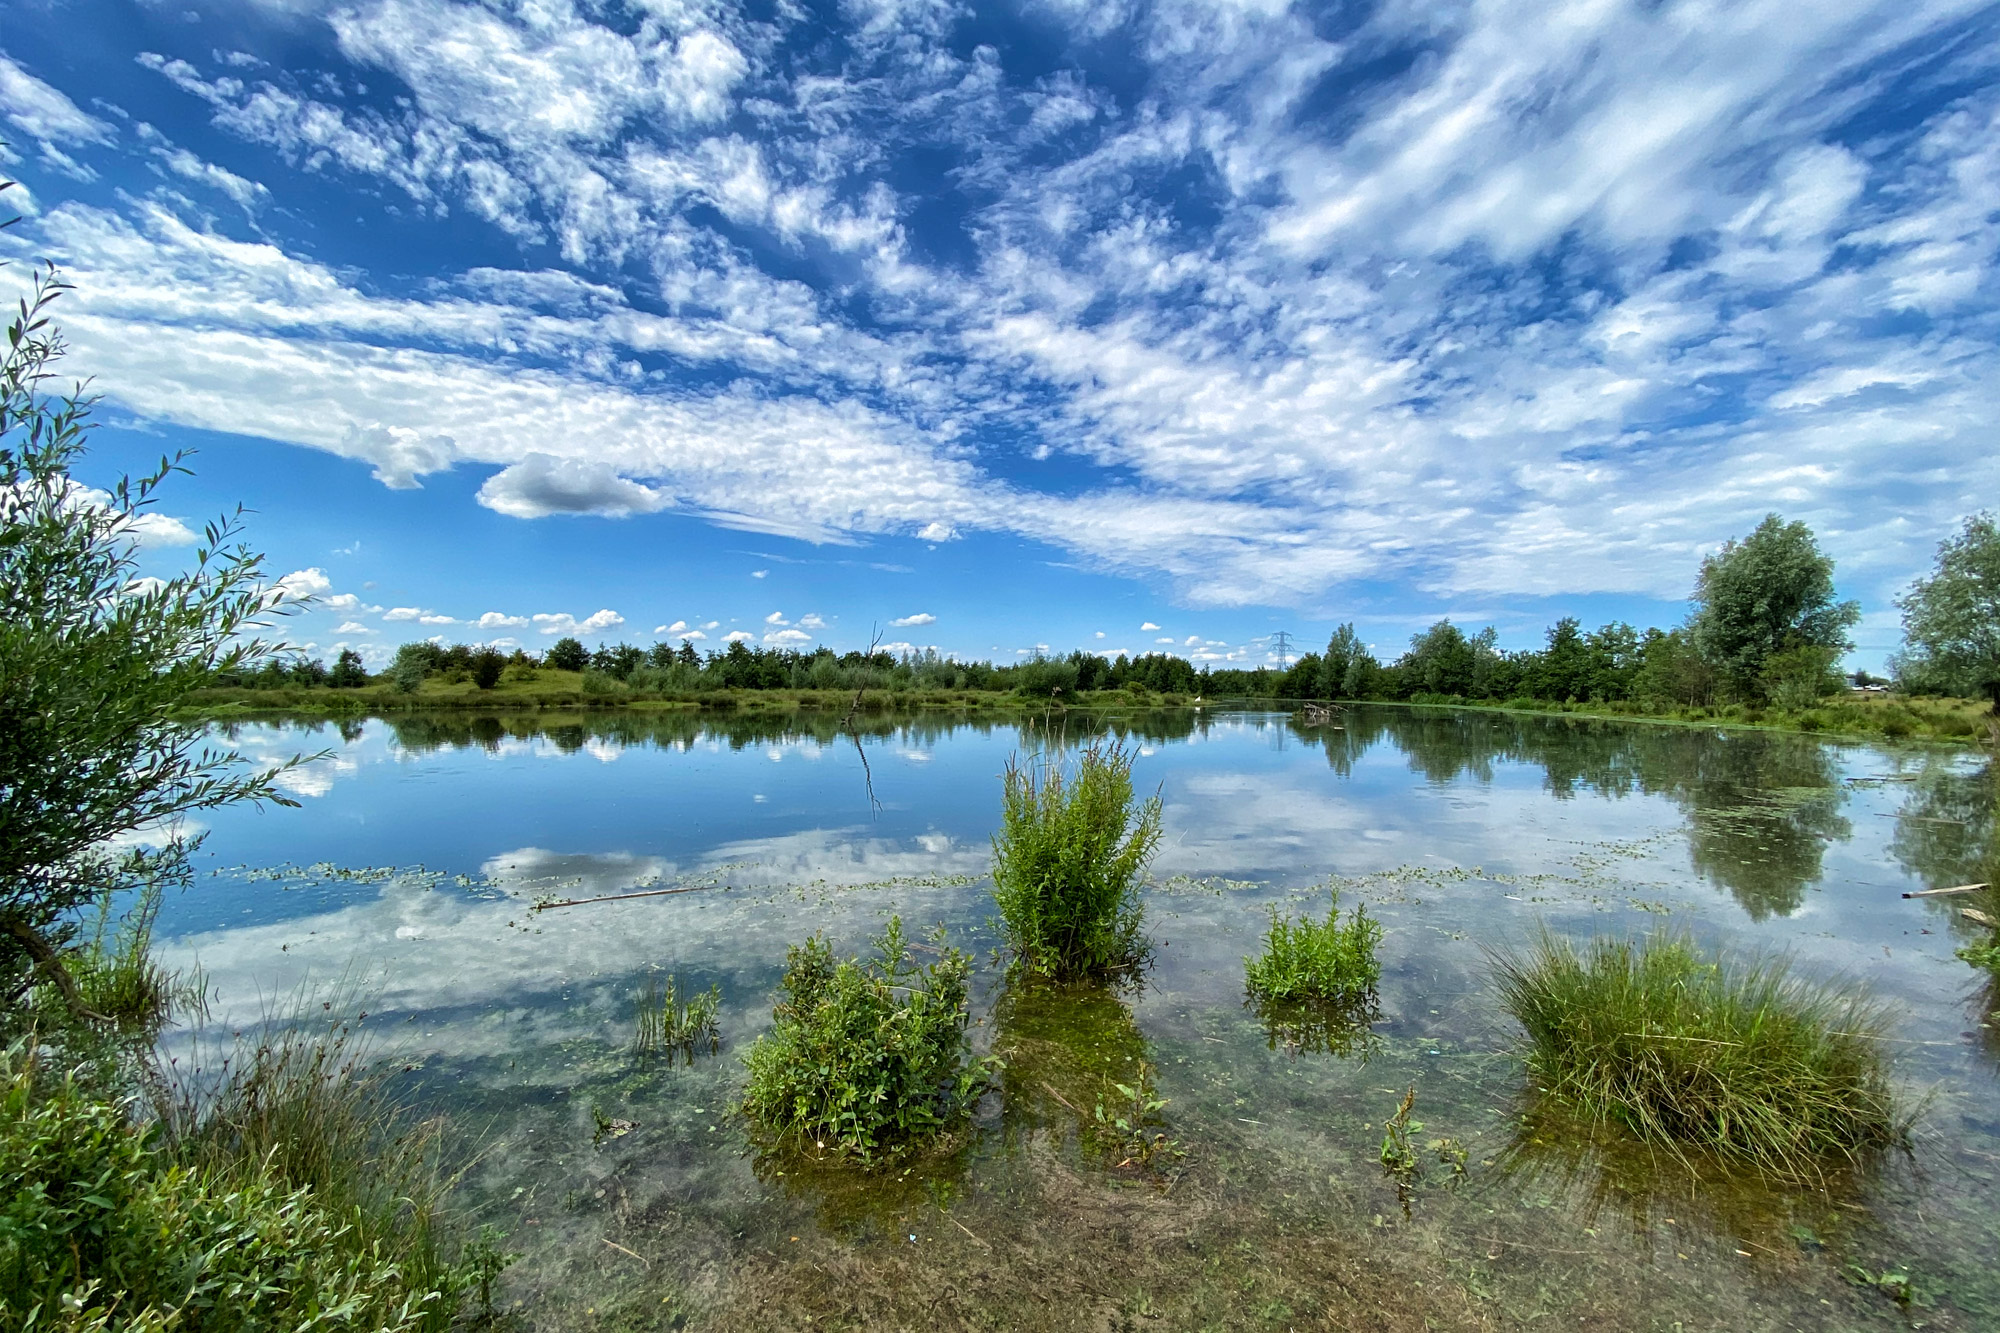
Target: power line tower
column 1282, row 642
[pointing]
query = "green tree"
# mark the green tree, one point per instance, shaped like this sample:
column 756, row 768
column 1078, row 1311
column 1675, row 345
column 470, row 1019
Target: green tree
column 567, row 654
column 1768, row 593
column 94, row 659
column 1951, row 620
column 487, row 664
column 347, row 673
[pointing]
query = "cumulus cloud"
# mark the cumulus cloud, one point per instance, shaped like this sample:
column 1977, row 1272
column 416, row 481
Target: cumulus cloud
column 599, row 622
column 404, row 613
column 302, row 583
column 811, row 621
column 353, row 627
column 920, row 618
column 937, row 532
column 677, row 627
column 776, row 618
column 760, row 573
column 500, row 620
column 1149, row 625
column 540, row 485
column 738, row 636
column 788, row 638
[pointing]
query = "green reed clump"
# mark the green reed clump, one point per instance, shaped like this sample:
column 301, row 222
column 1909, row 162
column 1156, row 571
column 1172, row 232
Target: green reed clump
column 667, row 1024
column 865, row 1059
column 1329, row 962
column 1068, row 861
column 111, row 1225
column 1736, row 1057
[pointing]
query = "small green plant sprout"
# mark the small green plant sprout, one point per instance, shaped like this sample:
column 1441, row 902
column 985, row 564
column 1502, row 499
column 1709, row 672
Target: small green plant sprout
column 1736, row 1058
column 678, row 1028
column 1068, row 862
column 604, row 1127
column 1126, row 1123
column 1330, row 962
column 1452, row 1155
column 1895, row 1283
column 481, row 1264
column 866, row 1060
column 1400, row 1161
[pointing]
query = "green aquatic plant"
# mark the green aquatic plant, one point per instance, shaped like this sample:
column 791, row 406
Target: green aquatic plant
column 865, row 1060
column 1399, row 1153
column 1739, row 1058
column 667, row 1024
column 1068, row 861
column 1328, row 962
column 1126, row 1122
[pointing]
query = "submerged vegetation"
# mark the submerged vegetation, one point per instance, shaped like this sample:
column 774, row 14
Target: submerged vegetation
column 669, row 1024
column 1741, row 1059
column 1069, row 859
column 1328, row 962
column 865, row 1060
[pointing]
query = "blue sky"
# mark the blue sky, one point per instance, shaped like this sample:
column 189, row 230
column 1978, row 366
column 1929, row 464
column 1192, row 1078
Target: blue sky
column 1011, row 327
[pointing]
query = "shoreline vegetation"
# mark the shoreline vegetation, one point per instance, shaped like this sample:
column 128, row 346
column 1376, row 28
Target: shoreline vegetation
column 1851, row 715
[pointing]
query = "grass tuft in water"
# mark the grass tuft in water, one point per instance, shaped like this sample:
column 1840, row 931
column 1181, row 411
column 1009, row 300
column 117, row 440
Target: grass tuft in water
column 865, row 1060
column 1068, row 861
column 677, row 1028
column 1328, row 962
column 1739, row 1058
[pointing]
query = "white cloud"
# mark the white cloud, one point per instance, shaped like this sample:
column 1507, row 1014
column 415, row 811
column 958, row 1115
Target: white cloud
column 437, row 620
column 301, row 583
column 500, row 620
column 811, row 621
column 692, row 634
column 920, row 618
column 788, row 637
column 760, row 573
column 738, row 636
column 937, row 532
column 353, row 627
column 540, row 485
column 1149, row 625
column 347, row 603
column 776, row 618
column 674, row 628
column 38, row 110
column 1163, row 641
column 565, row 624
column 404, row 613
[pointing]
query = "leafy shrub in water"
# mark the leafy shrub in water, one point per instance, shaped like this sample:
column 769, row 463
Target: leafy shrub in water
column 1741, row 1059
column 104, row 1225
column 1068, row 861
column 1330, row 961
column 865, row 1059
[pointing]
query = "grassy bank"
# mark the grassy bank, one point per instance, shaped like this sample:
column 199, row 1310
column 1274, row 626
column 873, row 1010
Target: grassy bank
column 576, row 690
column 1869, row 716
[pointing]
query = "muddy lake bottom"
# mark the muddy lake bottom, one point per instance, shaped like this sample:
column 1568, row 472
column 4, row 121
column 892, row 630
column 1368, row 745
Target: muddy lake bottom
column 411, row 874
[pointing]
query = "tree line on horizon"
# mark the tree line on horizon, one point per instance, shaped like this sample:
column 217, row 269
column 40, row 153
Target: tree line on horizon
column 1766, row 628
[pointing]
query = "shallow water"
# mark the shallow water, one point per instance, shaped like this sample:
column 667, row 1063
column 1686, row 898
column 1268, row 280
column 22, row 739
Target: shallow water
column 423, row 844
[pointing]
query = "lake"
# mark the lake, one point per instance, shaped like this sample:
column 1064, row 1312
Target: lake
column 410, row 876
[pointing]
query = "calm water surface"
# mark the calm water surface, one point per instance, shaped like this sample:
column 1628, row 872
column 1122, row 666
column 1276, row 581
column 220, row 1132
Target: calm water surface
column 422, row 845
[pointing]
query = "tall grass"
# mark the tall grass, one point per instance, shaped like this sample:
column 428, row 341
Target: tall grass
column 285, row 1192
column 1068, row 861
column 1739, row 1058
column 675, row 1026
column 1328, row 962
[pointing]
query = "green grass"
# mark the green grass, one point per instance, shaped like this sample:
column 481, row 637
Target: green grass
column 1884, row 716
column 865, row 1060
column 1069, row 859
column 1328, row 962
column 1738, row 1058
column 286, row 1195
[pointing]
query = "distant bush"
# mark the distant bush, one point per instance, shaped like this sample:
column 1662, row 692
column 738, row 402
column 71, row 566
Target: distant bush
column 1741, row 1059
column 1330, row 961
column 1068, row 861
column 865, row 1059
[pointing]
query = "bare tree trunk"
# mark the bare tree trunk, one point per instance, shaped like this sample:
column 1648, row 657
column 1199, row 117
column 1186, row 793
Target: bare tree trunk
column 51, row 965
